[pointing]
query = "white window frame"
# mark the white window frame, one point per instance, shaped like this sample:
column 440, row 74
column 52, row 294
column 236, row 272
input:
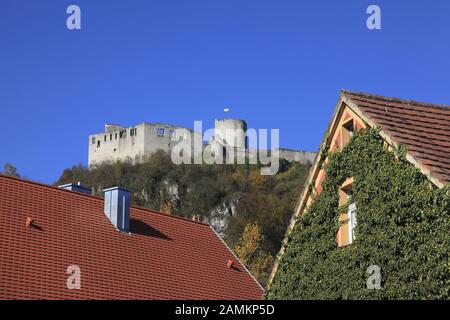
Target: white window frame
column 351, row 222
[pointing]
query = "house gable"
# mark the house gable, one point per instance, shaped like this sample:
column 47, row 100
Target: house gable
column 348, row 109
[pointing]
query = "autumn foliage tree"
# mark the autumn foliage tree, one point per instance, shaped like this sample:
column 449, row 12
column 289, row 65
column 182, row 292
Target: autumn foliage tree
column 251, row 253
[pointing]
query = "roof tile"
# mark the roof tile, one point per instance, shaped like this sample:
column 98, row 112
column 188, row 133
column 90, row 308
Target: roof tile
column 163, row 257
column 422, row 127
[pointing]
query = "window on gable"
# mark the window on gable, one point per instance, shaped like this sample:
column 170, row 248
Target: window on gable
column 351, row 222
column 347, row 218
column 348, row 130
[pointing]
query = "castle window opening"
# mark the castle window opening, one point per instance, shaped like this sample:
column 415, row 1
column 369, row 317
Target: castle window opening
column 105, row 138
column 160, row 132
column 115, row 136
column 110, row 137
column 98, row 144
column 93, row 140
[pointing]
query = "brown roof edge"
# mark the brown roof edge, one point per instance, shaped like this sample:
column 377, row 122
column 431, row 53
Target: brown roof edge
column 394, row 99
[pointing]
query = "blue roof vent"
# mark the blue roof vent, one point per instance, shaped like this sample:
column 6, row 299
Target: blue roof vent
column 117, row 207
column 76, row 188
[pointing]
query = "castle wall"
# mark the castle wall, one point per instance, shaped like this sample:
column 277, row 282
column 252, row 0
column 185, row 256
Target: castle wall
column 117, row 143
column 303, row 157
column 157, row 137
column 135, row 143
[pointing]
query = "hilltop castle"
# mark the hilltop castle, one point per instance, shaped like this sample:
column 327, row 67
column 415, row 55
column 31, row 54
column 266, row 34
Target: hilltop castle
column 137, row 143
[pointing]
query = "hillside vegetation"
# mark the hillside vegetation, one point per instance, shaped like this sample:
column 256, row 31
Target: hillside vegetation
column 250, row 211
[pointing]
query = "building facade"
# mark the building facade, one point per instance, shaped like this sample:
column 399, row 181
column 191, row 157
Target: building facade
column 364, row 210
column 136, row 143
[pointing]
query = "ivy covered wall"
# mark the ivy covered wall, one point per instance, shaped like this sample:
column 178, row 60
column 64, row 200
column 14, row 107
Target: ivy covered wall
column 403, row 227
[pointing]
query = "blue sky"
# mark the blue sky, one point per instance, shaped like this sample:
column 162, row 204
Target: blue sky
column 277, row 64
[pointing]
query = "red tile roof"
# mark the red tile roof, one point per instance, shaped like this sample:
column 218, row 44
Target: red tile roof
column 163, row 257
column 423, row 128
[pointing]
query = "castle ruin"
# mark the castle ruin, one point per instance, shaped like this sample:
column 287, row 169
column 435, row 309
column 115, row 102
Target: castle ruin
column 139, row 142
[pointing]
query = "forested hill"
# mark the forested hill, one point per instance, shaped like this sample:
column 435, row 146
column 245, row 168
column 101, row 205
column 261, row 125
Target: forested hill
column 250, row 211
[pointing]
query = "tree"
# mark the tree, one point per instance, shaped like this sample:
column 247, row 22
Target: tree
column 10, row 170
column 250, row 252
column 166, row 207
